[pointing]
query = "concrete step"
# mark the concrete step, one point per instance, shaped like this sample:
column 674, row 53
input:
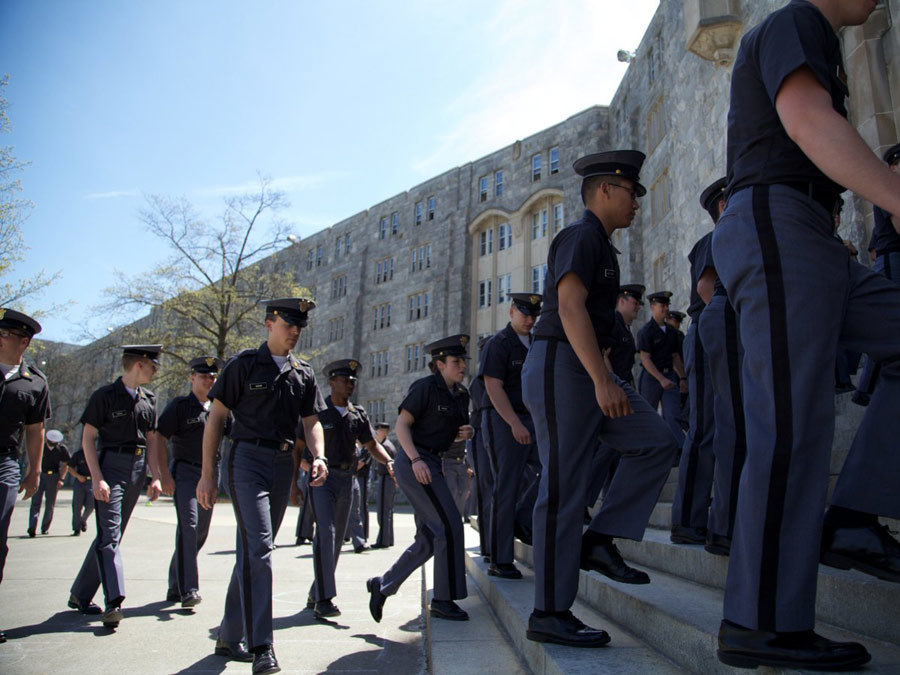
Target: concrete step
column 681, row 618
column 513, row 600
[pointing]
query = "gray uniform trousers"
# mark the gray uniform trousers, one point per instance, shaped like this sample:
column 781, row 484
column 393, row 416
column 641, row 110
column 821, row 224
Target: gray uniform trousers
column 9, row 490
column 305, row 521
column 560, row 395
column 484, row 478
column 82, row 503
column 439, row 532
column 191, row 530
column 690, row 507
column 887, row 264
column 331, row 509
column 650, row 388
column 722, row 343
column 355, row 529
column 508, row 459
column 385, row 491
column 603, row 467
column 124, row 473
column 47, row 487
column 259, row 484
column 457, row 477
column 775, row 253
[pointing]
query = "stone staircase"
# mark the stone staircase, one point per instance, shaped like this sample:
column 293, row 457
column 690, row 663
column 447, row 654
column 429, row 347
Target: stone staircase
column 672, row 624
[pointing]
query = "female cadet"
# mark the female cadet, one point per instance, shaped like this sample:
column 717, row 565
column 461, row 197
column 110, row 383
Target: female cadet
column 434, row 413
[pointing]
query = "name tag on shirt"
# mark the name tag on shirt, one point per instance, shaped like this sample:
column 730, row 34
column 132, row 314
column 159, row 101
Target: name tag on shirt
column 443, row 408
column 118, row 413
column 327, row 426
column 255, row 386
column 609, row 274
column 517, row 363
column 195, row 420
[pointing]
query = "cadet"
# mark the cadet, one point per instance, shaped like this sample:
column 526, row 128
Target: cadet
column 24, row 405
column 54, row 463
column 385, row 490
column 722, row 345
column 183, row 422
column 690, row 506
column 343, row 424
column 563, row 375
column 119, row 439
column 271, row 394
column 434, row 413
column 509, row 437
column 456, row 473
column 82, row 492
column 662, row 371
column 790, row 152
column 484, row 477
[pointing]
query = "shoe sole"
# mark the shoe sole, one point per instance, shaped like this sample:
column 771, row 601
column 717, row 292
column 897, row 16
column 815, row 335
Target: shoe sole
column 193, row 602
column 635, row 582
column 843, row 563
column 718, row 550
column 446, row 617
column 86, row 612
column 224, row 651
column 273, row 669
column 323, row 615
column 113, row 618
column 502, row 575
column 537, row 636
column 748, row 661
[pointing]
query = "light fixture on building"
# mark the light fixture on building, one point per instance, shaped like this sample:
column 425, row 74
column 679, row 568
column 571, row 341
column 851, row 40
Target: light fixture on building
column 625, row 56
column 293, row 238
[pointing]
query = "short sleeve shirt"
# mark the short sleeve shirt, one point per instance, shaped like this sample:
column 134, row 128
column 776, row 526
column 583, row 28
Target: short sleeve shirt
column 585, row 250
column 389, row 448
column 477, row 394
column 79, row 463
column 54, row 459
column 438, row 412
column 759, row 151
column 701, row 259
column 621, row 356
column 182, row 422
column 503, row 357
column 343, row 431
column 660, row 344
column 267, row 402
column 24, row 400
column 884, row 237
column 122, row 420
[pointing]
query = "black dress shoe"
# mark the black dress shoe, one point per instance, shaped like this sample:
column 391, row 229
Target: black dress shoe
column 112, row 615
column 45, row 531
column 487, row 557
column 868, row 549
column 564, row 629
column 522, row 534
column 688, row 535
column 2, row 637
column 447, row 609
column 325, row 609
column 301, row 541
column 172, row 595
column 745, row 648
column 191, row 599
column 606, row 559
column 310, row 603
column 236, row 651
column 84, row 607
column 32, row 534
column 84, row 527
column 718, row 544
column 264, row 661
column 376, row 598
column 362, row 549
column 376, row 547
column 504, row 571
column 76, row 533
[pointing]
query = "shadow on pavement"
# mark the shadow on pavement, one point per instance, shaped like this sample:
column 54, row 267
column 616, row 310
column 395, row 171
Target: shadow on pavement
column 399, row 657
column 61, row 622
column 208, row 664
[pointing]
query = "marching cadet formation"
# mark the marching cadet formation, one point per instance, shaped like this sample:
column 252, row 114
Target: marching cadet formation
column 554, row 416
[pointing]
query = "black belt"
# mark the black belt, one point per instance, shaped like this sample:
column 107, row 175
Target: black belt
column 458, row 460
column 283, row 446
column 199, row 465
column 137, row 451
column 818, row 192
column 346, row 466
column 50, row 473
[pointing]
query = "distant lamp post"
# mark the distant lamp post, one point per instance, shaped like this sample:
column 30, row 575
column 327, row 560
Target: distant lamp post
column 712, row 29
column 293, row 238
column 624, row 56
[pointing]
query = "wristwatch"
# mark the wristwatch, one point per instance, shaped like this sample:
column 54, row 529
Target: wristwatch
column 323, row 458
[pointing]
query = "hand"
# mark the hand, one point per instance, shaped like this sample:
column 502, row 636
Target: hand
column 470, row 473
column 304, row 464
column 295, row 494
column 612, row 399
column 101, row 491
column 319, row 474
column 59, row 484
column 466, row 431
column 29, row 485
column 421, row 472
column 666, row 383
column 682, row 386
column 207, row 491
column 80, row 479
column 154, row 489
column 520, row 433
column 168, row 485
column 390, row 470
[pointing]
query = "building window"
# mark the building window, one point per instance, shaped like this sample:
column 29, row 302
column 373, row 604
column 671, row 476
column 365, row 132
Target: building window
column 336, row 329
column 418, row 213
column 384, row 270
column 483, row 188
column 339, row 287
column 418, row 306
column 306, row 338
column 415, row 357
column 659, row 197
column 656, row 123
column 337, row 247
column 503, row 287
column 538, row 277
column 395, row 223
column 382, row 229
column 554, row 160
column 431, row 208
column 380, row 363
column 498, row 183
column 651, row 66
column 558, row 222
column 382, row 316
column 535, row 168
column 487, row 242
column 539, row 224
column 484, row 294
column 320, row 255
column 659, row 271
column 420, row 258
column 504, row 237
column 347, row 241
column 310, row 257
column 375, row 408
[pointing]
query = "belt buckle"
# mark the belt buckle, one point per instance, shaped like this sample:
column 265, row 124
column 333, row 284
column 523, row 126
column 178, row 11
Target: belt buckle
column 285, row 446
column 138, row 452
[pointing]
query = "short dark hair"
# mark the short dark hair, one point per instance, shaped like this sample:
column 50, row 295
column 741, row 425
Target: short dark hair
column 588, row 185
column 128, row 361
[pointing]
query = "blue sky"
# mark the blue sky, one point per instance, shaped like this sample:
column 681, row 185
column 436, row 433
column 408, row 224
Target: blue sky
column 342, row 104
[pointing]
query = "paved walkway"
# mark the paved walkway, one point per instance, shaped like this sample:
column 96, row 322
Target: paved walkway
column 159, row 637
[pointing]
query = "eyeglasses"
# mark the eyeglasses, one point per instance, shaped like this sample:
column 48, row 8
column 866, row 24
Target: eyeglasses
column 150, row 364
column 6, row 333
column 633, row 193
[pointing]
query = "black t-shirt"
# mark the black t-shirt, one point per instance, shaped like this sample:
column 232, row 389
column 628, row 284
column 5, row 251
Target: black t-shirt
column 123, row 421
column 24, row 400
column 267, row 403
column 54, row 458
column 660, row 344
column 759, row 150
column 503, row 357
column 884, row 237
column 583, row 249
column 342, row 432
column 438, row 412
column 701, row 259
column 182, row 422
column 621, row 356
column 79, row 463
column 389, row 448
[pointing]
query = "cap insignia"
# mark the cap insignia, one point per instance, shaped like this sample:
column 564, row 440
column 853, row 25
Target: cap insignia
column 354, row 365
column 535, row 299
column 210, row 361
column 304, row 306
column 463, row 340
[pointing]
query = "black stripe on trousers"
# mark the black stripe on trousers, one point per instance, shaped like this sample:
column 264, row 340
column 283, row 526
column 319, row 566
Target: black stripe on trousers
column 491, row 450
column 552, row 479
column 687, row 498
column 737, row 411
column 448, row 534
column 784, row 409
column 247, row 595
column 317, row 546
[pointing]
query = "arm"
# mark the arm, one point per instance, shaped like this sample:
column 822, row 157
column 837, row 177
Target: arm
column 495, row 391
column 207, row 487
column 580, row 332
column 403, row 430
column 62, row 474
column 833, row 145
column 651, row 368
column 167, row 483
column 706, row 284
column 312, row 429
column 678, row 366
column 34, row 446
column 89, row 437
column 297, row 453
column 156, row 455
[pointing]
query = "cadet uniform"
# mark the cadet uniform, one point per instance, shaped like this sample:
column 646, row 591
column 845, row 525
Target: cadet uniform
column 82, row 492
column 455, row 469
column 183, row 422
column 304, row 530
column 484, row 476
column 123, row 420
column 661, row 343
column 24, row 400
column 358, row 523
column 54, row 460
column 385, row 490
column 560, row 396
column 268, row 397
column 776, row 254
